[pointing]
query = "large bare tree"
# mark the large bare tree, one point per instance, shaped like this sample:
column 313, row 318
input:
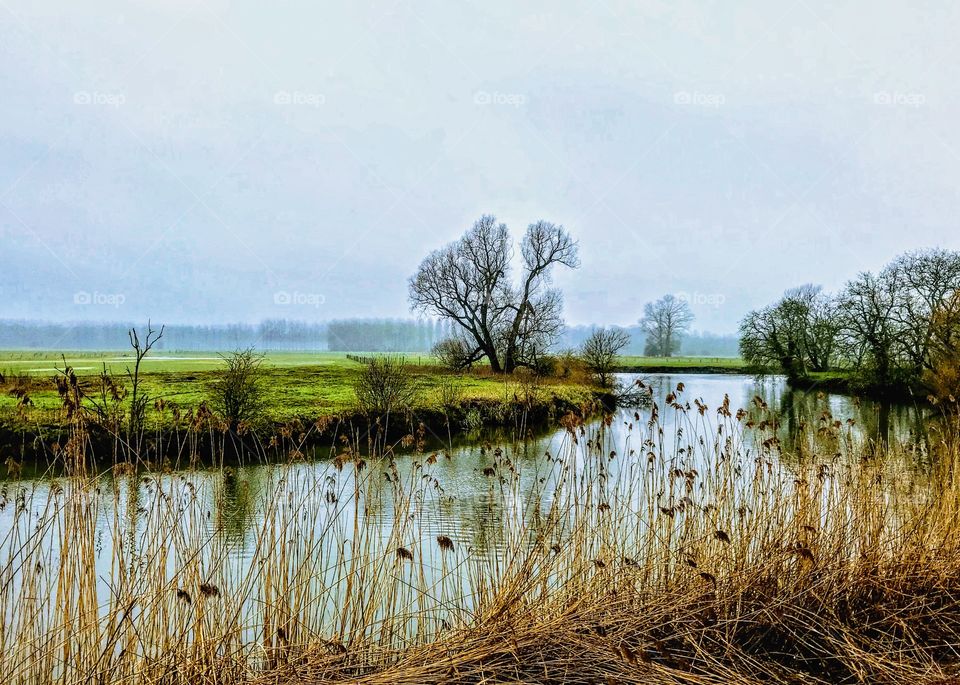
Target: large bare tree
column 665, row 322
column 469, row 282
column 867, row 305
column 928, row 282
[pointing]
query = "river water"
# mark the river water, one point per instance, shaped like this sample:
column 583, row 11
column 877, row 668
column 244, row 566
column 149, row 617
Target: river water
column 801, row 413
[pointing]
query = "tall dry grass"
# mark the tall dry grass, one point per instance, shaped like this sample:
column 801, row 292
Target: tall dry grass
column 702, row 554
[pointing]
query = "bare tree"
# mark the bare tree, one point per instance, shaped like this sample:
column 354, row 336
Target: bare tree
column 761, row 341
column 665, row 322
column 928, row 281
column 601, row 349
column 138, row 398
column 537, row 309
column 822, row 331
column 867, row 304
column 798, row 334
column 469, row 283
column 809, row 326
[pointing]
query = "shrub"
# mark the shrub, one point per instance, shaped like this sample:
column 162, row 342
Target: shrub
column 385, row 385
column 454, row 353
column 237, row 394
column 545, row 365
column 570, row 367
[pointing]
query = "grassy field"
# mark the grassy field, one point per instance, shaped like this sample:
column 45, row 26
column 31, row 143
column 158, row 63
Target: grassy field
column 682, row 363
column 35, row 362
column 299, row 385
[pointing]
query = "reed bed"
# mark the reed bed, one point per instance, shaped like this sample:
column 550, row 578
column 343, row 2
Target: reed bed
column 626, row 553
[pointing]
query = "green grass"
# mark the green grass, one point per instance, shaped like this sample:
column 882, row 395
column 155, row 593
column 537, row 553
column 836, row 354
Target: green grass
column 91, row 363
column 732, row 363
column 298, row 385
column 832, row 375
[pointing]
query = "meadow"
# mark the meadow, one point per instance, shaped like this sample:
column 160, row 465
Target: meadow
column 298, row 385
column 636, row 363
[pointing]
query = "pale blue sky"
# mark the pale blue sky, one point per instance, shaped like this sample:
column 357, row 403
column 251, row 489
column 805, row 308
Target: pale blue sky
column 208, row 160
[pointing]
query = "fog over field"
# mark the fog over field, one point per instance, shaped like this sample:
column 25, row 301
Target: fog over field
column 209, row 161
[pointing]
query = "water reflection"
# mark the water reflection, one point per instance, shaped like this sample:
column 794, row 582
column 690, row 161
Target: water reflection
column 877, row 422
column 235, row 496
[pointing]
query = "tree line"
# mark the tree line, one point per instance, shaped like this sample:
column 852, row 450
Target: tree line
column 341, row 335
column 347, row 335
column 895, row 330
column 691, row 343
column 385, row 335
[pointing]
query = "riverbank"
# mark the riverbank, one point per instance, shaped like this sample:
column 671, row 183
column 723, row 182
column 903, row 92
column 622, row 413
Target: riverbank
column 849, row 383
column 300, row 385
column 303, row 394
column 707, row 365
column 37, row 451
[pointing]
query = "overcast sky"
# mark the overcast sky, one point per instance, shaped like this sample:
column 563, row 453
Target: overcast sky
column 212, row 161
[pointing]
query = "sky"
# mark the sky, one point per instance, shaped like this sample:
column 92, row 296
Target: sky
column 209, row 161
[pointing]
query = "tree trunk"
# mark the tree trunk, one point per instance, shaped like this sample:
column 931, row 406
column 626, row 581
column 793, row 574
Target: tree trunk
column 510, row 358
column 494, row 360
